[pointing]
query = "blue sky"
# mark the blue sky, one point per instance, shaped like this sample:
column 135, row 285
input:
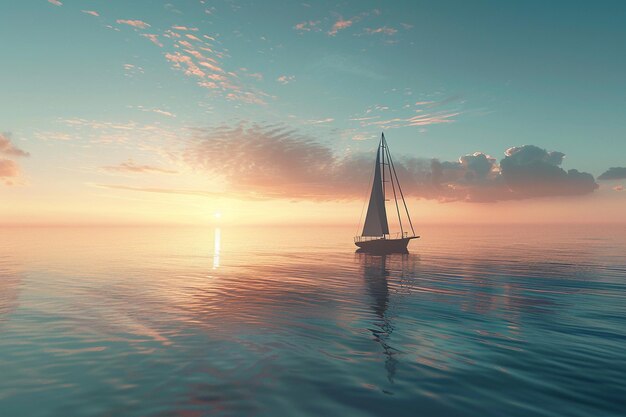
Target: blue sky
column 88, row 84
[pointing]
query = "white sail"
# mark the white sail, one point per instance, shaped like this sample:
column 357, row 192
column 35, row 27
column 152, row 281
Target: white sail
column 376, row 219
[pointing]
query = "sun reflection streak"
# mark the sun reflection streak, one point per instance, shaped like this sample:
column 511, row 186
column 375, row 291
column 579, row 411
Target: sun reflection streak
column 216, row 248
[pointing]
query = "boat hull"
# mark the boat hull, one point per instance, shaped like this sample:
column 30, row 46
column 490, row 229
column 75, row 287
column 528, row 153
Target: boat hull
column 385, row 245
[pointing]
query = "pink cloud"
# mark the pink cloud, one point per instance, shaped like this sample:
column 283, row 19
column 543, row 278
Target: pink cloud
column 339, row 25
column 91, row 12
column 138, row 24
column 154, row 39
column 8, row 171
column 619, row 188
column 191, row 68
column 55, row 2
column 307, row 26
column 208, row 84
column 7, row 147
column 184, row 28
column 192, row 37
column 216, row 77
column 211, row 66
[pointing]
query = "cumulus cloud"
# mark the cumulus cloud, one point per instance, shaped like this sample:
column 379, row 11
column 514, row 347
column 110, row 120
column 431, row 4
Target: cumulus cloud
column 614, row 173
column 275, row 161
column 530, row 171
column 132, row 167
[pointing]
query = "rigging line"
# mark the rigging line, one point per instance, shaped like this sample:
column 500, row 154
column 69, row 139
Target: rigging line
column 381, row 150
column 402, row 195
column 393, row 187
column 365, row 200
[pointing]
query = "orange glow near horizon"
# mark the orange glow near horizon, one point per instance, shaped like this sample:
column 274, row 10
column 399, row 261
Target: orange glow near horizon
column 133, row 208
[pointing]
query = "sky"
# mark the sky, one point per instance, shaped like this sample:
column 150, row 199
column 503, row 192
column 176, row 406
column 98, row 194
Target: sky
column 270, row 112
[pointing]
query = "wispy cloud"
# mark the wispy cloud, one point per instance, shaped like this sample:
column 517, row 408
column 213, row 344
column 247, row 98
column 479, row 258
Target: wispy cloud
column 381, row 30
column 138, row 24
column 185, row 28
column 320, row 121
column 307, row 26
column 153, row 38
column 286, row 79
column 55, row 2
column 91, row 12
column 417, row 120
column 159, row 190
column 132, row 167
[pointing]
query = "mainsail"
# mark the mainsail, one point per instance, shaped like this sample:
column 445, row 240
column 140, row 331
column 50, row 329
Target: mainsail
column 376, row 219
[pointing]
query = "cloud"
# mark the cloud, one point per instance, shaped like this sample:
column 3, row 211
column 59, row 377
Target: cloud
column 7, row 147
column 138, row 24
column 530, row 171
column 307, row 26
column 614, row 173
column 190, row 68
column 185, row 28
column 180, row 191
column 132, row 167
column 154, row 39
column 340, row 24
column 320, row 121
column 619, row 188
column 277, row 162
column 381, row 30
column 417, row 120
column 286, row 79
column 91, row 12
column 55, row 2
column 8, row 171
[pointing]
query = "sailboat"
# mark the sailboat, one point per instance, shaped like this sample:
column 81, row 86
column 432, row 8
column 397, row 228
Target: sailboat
column 375, row 236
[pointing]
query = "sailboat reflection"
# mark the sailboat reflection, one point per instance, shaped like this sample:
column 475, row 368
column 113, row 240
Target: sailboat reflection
column 216, row 248
column 375, row 274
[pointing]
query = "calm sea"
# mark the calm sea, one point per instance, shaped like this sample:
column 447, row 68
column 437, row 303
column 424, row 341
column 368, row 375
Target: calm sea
column 475, row 321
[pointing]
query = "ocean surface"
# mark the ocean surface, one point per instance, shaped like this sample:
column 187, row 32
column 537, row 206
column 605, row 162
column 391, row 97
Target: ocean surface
column 474, row 321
